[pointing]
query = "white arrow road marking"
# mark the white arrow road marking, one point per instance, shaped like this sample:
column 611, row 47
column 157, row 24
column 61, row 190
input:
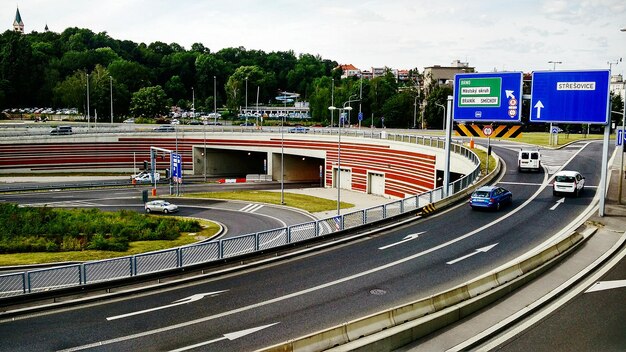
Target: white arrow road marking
column 406, row 239
column 606, row 285
column 539, row 106
column 186, row 300
column 558, row 202
column 479, row 250
column 231, row 336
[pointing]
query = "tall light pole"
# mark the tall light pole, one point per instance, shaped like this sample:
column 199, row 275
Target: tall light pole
column 621, row 163
column 111, row 89
column 88, row 117
column 282, row 160
column 246, row 102
column 554, row 64
column 332, row 102
column 360, row 99
column 193, row 103
column 215, row 99
column 444, row 114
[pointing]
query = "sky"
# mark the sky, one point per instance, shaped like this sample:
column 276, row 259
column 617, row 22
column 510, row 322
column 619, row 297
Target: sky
column 490, row 35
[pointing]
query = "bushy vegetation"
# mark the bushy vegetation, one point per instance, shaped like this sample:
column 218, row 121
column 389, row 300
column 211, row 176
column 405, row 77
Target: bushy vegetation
column 45, row 229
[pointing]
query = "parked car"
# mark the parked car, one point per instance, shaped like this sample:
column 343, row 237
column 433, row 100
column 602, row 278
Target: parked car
column 61, row 130
column 146, row 176
column 130, row 120
column 490, row 197
column 299, row 129
column 571, row 182
column 529, row 160
column 160, row 206
column 164, row 128
column 174, row 122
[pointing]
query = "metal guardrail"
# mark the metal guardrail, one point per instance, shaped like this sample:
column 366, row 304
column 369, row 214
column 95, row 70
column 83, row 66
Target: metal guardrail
column 47, row 279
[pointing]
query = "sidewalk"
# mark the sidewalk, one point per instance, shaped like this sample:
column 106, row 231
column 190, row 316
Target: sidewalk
column 611, row 227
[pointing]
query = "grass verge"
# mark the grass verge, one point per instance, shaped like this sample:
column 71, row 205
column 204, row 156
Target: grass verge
column 300, row 201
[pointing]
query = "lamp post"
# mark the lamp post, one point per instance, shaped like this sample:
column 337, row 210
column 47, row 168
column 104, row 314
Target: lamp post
column 332, row 102
column 193, row 103
column 444, row 114
column 215, row 99
column 88, row 117
column 282, row 161
column 360, row 100
column 246, row 111
column 554, row 64
column 111, row 89
column 621, row 163
column 345, row 108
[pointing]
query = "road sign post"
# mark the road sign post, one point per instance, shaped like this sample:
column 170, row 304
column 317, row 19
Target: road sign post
column 492, row 97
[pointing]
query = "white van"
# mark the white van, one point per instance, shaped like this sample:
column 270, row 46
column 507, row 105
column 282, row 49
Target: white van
column 529, row 160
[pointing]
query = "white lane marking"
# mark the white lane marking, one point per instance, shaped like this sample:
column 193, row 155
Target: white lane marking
column 606, row 285
column 251, row 208
column 229, row 336
column 406, row 239
column 478, row 250
column 312, row 289
column 306, row 291
column 185, row 300
column 558, row 202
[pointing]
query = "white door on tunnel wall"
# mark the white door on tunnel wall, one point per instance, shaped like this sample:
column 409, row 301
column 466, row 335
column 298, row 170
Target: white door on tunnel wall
column 345, row 178
column 376, row 184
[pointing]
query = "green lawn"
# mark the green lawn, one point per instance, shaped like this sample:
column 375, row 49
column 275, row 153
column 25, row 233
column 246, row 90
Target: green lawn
column 300, row 201
column 209, row 230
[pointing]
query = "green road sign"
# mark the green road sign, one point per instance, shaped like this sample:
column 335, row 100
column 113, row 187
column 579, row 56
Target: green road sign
column 479, row 92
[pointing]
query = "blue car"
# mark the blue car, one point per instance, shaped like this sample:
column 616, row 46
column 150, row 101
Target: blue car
column 490, row 197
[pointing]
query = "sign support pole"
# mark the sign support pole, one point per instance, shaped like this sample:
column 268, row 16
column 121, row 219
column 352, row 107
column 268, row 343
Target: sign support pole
column 603, row 174
column 621, row 162
column 446, row 172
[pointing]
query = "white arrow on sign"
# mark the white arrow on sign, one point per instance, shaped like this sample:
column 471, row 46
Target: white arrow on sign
column 406, row 239
column 558, row 202
column 479, row 250
column 539, row 106
column 606, row 285
column 186, row 300
column 230, row 336
column 509, row 94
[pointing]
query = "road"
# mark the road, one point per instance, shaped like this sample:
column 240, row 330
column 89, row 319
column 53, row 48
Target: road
column 305, row 294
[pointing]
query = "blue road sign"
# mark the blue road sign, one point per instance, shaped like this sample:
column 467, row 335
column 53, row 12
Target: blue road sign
column 621, row 137
column 489, row 97
column 360, row 116
column 570, row 97
column 176, row 168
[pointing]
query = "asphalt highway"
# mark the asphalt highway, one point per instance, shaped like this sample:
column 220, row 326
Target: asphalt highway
column 266, row 305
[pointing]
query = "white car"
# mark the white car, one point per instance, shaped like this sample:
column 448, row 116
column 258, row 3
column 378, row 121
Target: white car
column 147, row 177
column 160, row 206
column 571, row 182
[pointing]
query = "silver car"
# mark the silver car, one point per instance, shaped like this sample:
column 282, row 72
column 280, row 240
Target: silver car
column 160, row 206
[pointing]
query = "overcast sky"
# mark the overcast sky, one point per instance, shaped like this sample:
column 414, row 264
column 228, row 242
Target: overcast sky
column 514, row 35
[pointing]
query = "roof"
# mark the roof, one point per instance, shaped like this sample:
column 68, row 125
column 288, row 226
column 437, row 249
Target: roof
column 348, row 67
column 567, row 173
column 487, row 188
column 18, row 17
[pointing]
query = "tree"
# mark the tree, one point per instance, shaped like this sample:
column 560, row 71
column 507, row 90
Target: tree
column 433, row 114
column 398, row 110
column 235, row 87
column 149, row 102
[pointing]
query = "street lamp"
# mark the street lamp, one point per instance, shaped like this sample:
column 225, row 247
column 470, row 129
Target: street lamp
column 554, row 64
column 246, row 111
column 332, row 102
column 193, row 103
column 88, row 117
column 444, row 114
column 111, row 89
column 282, row 160
column 345, row 108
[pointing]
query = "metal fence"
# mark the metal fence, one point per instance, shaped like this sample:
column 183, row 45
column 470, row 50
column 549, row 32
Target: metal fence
column 103, row 270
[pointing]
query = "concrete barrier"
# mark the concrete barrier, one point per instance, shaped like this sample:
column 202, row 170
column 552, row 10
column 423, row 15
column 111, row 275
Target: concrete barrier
column 390, row 329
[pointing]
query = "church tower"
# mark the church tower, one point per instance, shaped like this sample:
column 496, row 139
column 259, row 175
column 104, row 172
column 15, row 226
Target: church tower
column 18, row 24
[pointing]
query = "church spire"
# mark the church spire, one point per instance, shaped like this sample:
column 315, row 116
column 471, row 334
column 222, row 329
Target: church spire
column 18, row 24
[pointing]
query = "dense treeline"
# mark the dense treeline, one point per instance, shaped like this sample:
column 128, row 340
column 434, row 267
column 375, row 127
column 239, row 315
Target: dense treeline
column 53, row 69
column 52, row 230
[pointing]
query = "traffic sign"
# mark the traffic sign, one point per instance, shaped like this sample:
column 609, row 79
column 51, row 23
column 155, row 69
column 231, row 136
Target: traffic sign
column 621, row 137
column 570, row 97
column 487, row 97
column 488, row 130
column 360, row 116
column 176, row 167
